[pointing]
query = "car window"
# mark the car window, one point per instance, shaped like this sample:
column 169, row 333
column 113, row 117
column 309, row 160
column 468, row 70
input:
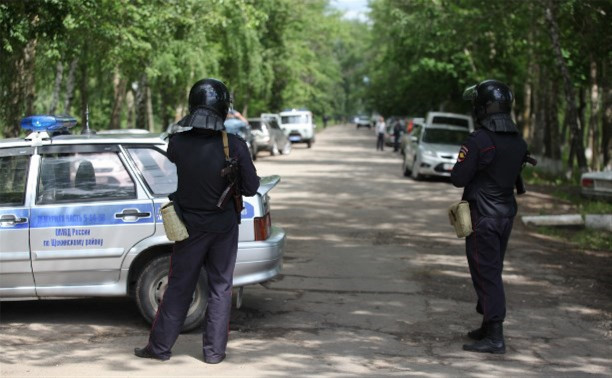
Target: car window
column 13, row 174
column 255, row 125
column 443, row 136
column 273, row 124
column 451, row 121
column 159, row 172
column 74, row 177
column 294, row 119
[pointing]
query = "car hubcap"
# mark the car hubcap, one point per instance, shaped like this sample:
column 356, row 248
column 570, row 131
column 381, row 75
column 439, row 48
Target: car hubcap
column 156, row 295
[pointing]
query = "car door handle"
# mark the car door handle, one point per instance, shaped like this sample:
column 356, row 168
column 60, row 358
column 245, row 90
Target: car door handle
column 132, row 214
column 11, row 220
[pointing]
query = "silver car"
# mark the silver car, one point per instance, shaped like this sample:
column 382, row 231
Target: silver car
column 433, row 151
column 268, row 136
column 80, row 216
column 597, row 185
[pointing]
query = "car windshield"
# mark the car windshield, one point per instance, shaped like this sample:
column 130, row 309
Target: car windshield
column 445, row 136
column 294, row 119
column 451, row 121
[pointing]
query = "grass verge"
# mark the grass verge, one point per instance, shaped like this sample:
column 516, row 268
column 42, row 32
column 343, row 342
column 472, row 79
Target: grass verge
column 569, row 190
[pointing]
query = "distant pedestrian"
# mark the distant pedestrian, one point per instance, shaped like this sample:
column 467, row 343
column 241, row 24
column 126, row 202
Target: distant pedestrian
column 489, row 163
column 213, row 229
column 380, row 133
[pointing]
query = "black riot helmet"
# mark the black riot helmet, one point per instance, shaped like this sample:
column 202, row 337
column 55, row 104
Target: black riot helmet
column 491, row 105
column 489, row 97
column 209, row 103
column 210, row 94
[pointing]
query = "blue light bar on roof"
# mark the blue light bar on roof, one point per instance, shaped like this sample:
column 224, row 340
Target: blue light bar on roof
column 47, row 122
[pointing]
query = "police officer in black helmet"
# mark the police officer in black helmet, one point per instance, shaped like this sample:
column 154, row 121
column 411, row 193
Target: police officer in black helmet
column 213, row 232
column 488, row 167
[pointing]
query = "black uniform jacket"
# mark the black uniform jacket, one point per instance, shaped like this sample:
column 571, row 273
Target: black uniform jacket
column 487, row 168
column 199, row 158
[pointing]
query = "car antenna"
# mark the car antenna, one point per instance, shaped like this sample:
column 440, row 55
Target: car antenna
column 86, row 130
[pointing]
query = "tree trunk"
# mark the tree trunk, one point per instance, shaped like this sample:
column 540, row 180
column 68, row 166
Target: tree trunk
column 20, row 91
column 59, row 73
column 575, row 128
column 527, row 123
column 553, row 122
column 84, row 89
column 150, row 122
column 30, row 77
column 119, row 84
column 606, row 124
column 129, row 102
column 164, row 113
column 539, row 109
column 594, row 119
column 70, row 85
column 141, row 103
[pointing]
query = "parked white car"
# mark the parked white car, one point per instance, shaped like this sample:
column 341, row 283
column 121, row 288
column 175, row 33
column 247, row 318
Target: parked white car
column 433, row 151
column 597, row 185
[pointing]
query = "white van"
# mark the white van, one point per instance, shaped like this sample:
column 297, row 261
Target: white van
column 299, row 126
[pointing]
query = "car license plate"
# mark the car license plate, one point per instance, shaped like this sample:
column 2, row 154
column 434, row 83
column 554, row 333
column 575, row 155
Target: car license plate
column 601, row 184
column 295, row 138
column 448, row 167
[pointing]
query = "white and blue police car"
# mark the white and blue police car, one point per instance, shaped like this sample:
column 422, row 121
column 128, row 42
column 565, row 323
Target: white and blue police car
column 80, row 217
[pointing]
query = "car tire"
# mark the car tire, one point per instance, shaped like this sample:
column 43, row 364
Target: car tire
column 415, row 170
column 309, row 143
column 151, row 285
column 254, row 154
column 405, row 168
column 286, row 149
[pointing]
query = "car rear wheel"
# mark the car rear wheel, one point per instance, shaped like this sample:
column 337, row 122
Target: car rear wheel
column 274, row 151
column 151, row 286
column 286, row 149
column 415, row 170
column 405, row 168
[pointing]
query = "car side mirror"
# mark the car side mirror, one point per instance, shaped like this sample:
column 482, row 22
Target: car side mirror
column 414, row 139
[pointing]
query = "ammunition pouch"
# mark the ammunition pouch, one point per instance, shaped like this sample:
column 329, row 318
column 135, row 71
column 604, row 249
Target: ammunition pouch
column 460, row 218
column 173, row 225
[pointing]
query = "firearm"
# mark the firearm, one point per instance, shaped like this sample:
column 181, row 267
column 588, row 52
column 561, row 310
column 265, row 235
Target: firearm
column 231, row 171
column 520, row 185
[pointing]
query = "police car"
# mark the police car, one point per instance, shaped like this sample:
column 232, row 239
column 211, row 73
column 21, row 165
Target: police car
column 80, row 216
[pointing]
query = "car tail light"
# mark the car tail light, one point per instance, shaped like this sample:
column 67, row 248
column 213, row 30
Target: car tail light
column 587, row 182
column 263, row 225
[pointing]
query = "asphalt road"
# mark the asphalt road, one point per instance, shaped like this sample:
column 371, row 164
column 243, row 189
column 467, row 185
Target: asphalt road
column 374, row 284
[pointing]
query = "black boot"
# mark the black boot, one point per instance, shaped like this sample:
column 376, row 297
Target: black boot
column 493, row 342
column 478, row 333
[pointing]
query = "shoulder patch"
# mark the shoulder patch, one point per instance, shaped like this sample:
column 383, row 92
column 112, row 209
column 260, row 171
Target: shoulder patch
column 462, row 153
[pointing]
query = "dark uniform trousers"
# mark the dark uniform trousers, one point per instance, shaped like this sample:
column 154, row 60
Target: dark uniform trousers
column 485, row 250
column 217, row 253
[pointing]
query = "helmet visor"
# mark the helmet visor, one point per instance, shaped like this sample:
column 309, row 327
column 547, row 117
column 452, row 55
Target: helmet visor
column 470, row 93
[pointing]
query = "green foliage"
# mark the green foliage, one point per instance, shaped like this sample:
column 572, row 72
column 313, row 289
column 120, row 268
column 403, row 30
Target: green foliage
column 273, row 54
column 587, row 239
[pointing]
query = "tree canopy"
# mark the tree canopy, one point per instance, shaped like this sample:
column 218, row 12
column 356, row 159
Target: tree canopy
column 132, row 62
